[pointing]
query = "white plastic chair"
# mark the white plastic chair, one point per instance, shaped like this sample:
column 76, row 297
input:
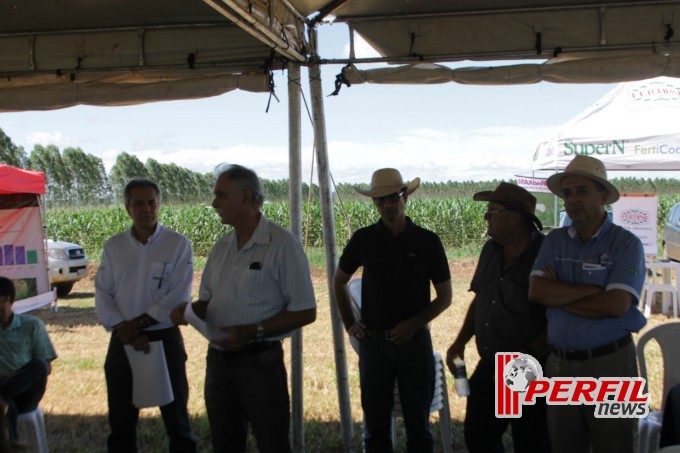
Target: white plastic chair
column 440, row 401
column 661, row 283
column 668, row 338
column 31, row 427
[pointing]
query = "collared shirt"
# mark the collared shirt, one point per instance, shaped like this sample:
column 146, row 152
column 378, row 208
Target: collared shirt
column 268, row 275
column 396, row 271
column 505, row 320
column 135, row 278
column 24, row 339
column 612, row 259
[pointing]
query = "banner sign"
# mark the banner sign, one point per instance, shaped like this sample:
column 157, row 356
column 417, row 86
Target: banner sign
column 533, row 184
column 638, row 214
column 22, row 251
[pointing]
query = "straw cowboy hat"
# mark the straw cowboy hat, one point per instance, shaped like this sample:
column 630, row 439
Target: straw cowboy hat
column 386, row 181
column 514, row 198
column 588, row 167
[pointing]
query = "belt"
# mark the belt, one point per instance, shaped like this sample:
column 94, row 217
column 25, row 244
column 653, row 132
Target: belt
column 249, row 349
column 584, row 354
column 377, row 334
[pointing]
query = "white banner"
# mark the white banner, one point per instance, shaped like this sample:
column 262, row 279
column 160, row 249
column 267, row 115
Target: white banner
column 533, row 184
column 638, row 214
column 22, row 250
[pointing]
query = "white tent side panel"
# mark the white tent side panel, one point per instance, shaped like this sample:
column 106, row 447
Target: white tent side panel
column 633, row 127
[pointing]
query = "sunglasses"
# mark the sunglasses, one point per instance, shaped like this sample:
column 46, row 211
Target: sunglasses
column 489, row 214
column 391, row 198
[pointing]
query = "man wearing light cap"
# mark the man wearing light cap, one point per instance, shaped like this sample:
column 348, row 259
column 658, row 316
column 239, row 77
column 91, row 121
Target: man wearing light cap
column 589, row 275
column 502, row 319
column 399, row 261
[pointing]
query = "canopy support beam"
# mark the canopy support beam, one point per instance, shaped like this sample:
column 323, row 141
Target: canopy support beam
column 330, row 244
column 295, row 216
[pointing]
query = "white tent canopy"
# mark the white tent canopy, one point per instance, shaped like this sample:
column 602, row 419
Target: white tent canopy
column 633, row 127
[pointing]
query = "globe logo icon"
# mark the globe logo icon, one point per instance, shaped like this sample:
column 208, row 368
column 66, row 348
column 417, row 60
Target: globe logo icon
column 521, row 371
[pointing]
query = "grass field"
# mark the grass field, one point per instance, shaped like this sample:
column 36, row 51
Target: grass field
column 75, row 402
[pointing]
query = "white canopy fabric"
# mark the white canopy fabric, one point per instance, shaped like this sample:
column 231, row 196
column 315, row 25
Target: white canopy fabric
column 633, row 127
column 605, row 41
column 55, row 54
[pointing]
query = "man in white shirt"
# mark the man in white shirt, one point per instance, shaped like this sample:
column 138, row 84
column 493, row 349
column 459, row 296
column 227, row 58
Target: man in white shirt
column 256, row 289
column 144, row 274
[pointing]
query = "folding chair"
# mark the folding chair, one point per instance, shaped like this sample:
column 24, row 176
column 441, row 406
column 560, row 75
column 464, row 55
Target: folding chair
column 661, row 283
column 440, row 401
column 668, row 338
column 32, row 430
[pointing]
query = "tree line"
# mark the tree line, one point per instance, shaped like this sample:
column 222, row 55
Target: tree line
column 75, row 178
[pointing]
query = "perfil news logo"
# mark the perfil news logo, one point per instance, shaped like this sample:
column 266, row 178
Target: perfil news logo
column 519, row 381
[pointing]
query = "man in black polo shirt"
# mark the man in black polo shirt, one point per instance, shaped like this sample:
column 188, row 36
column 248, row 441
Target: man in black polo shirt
column 503, row 320
column 399, row 261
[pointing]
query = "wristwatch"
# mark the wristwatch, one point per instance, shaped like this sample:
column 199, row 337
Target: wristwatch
column 260, row 332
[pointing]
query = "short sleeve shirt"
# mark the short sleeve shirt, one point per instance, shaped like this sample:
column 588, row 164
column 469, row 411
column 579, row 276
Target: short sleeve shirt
column 23, row 340
column 397, row 271
column 267, row 276
column 505, row 319
column 612, row 259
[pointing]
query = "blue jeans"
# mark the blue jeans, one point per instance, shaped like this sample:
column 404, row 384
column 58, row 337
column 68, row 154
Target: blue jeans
column 123, row 415
column 243, row 387
column 23, row 390
column 411, row 365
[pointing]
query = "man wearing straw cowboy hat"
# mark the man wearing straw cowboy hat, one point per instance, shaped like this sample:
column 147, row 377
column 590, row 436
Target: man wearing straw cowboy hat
column 589, row 275
column 502, row 319
column 399, row 261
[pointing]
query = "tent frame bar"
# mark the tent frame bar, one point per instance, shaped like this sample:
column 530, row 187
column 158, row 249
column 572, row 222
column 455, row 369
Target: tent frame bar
column 481, row 12
column 509, row 55
column 74, row 31
column 255, row 28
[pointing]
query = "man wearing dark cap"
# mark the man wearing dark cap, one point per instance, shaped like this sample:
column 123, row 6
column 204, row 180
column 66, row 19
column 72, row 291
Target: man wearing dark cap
column 589, row 275
column 503, row 320
column 400, row 260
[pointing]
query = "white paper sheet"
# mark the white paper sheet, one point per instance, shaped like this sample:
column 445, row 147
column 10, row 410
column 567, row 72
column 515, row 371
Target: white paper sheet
column 150, row 379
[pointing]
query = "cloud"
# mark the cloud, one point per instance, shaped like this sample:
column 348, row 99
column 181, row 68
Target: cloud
column 362, row 49
column 49, row 138
column 434, row 155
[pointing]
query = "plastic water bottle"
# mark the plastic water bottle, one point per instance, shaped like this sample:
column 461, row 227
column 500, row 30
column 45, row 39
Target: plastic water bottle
column 460, row 377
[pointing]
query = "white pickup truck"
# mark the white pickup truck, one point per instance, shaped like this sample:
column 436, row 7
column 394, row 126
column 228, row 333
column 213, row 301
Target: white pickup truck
column 67, row 264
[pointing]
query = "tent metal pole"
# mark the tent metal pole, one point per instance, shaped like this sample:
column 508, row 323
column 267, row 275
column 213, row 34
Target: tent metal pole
column 330, row 244
column 295, row 216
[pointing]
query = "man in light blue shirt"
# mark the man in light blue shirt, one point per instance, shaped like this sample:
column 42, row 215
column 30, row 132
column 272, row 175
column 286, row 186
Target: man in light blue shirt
column 144, row 274
column 26, row 353
column 590, row 276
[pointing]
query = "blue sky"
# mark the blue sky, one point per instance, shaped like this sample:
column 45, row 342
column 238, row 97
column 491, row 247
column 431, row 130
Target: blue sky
column 438, row 132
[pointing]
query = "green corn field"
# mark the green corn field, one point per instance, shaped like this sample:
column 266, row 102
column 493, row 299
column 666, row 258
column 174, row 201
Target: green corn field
column 458, row 221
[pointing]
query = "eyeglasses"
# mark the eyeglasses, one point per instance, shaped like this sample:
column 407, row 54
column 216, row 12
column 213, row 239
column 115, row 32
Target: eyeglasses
column 489, row 214
column 391, row 198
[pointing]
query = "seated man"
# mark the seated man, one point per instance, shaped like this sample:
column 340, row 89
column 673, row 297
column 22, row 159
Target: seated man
column 25, row 355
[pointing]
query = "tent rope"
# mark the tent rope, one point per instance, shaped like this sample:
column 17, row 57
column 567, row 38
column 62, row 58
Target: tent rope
column 311, row 178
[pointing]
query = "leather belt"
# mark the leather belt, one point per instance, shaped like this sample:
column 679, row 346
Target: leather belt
column 249, row 349
column 377, row 334
column 585, row 354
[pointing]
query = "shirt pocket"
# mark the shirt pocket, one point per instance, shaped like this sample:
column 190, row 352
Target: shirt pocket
column 594, row 274
column 160, row 276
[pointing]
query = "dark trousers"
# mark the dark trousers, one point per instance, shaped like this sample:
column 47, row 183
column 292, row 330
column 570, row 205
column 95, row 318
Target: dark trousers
column 248, row 387
column 23, row 390
column 484, row 432
column 412, row 366
column 123, row 415
column 670, row 428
